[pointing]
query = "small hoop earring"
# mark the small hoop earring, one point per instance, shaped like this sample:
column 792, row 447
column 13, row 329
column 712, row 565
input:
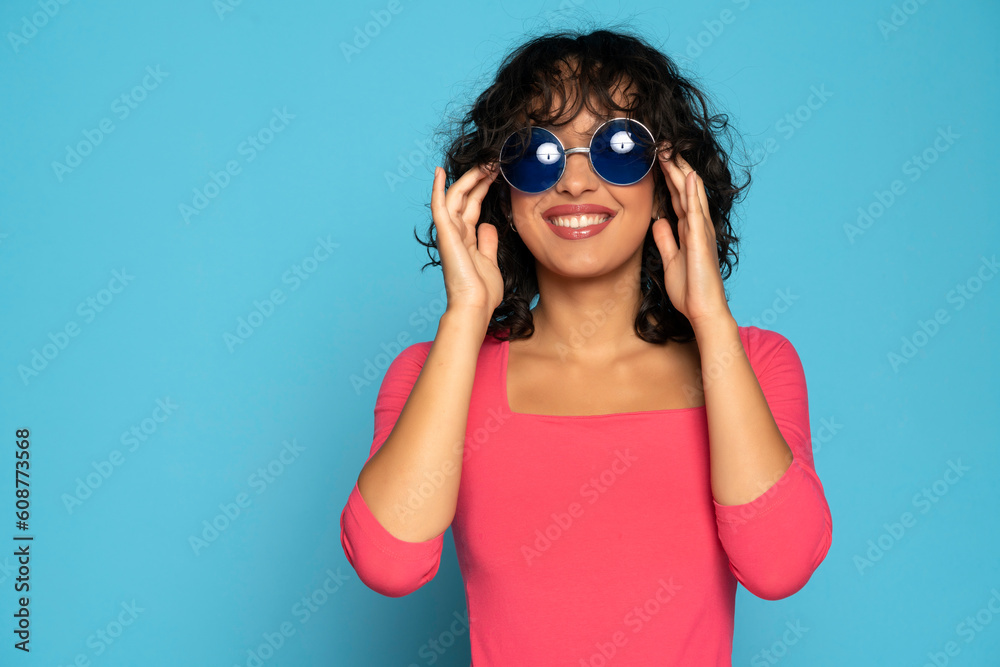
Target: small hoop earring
column 510, row 221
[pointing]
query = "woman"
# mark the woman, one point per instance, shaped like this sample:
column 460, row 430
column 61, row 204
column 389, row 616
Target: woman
column 613, row 460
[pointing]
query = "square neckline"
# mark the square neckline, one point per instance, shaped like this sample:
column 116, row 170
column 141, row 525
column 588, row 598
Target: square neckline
column 505, row 358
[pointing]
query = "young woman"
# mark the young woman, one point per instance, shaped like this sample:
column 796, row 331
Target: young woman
column 613, row 460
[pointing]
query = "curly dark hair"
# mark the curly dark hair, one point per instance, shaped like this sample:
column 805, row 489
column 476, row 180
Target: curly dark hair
column 668, row 103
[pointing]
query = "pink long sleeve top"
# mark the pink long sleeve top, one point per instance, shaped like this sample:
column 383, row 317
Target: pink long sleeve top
column 596, row 540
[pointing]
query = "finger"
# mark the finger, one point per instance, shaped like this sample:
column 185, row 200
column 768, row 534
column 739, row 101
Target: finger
column 488, row 241
column 679, row 177
column 702, row 201
column 696, row 218
column 684, row 167
column 455, row 197
column 474, row 200
column 681, row 225
column 683, row 164
column 682, row 234
column 676, row 189
column 470, row 216
column 449, row 240
column 438, row 210
column 705, row 211
column 663, row 236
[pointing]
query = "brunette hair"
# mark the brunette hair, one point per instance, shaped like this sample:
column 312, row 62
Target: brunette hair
column 667, row 102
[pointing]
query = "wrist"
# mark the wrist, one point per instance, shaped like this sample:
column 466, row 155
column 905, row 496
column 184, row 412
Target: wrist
column 466, row 319
column 715, row 327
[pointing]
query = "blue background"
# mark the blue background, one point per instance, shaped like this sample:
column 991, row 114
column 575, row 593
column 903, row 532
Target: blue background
column 890, row 429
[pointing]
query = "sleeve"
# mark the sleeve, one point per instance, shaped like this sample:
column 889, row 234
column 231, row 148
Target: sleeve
column 776, row 541
column 385, row 563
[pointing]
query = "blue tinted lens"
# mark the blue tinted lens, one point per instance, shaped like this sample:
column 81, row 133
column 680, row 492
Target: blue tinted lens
column 622, row 151
column 536, row 167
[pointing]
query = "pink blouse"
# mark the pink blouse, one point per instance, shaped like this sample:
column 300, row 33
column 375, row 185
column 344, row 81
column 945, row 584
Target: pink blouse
column 595, row 540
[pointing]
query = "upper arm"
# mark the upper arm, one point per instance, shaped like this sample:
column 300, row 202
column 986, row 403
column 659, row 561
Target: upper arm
column 396, row 386
column 782, row 379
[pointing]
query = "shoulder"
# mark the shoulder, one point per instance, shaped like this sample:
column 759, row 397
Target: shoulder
column 407, row 364
column 414, row 353
column 765, row 348
column 763, row 340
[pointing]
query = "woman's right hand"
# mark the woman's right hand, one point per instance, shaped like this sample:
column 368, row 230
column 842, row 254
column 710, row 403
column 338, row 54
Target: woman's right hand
column 471, row 276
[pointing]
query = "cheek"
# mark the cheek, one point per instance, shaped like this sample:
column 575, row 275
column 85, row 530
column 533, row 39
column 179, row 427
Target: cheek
column 522, row 205
column 516, row 199
column 637, row 199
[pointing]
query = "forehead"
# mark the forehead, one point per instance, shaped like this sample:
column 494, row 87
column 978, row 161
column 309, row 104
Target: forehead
column 573, row 115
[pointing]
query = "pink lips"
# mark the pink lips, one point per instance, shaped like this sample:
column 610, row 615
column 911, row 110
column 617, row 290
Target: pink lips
column 577, row 209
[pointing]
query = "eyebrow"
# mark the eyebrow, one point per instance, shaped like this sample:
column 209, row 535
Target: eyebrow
column 590, row 131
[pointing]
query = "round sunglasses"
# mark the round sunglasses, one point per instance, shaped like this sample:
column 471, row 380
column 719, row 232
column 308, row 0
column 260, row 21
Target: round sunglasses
column 622, row 152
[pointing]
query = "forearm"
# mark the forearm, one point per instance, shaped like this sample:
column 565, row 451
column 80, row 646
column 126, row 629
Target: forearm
column 747, row 451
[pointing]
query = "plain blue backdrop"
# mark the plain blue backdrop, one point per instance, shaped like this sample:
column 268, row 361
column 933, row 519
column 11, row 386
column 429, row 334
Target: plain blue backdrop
column 169, row 169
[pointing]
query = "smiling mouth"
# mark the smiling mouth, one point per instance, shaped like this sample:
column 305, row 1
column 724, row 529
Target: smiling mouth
column 579, row 221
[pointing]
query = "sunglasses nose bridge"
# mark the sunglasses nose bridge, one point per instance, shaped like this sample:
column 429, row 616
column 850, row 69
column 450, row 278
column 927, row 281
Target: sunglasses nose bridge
column 572, row 151
column 574, row 181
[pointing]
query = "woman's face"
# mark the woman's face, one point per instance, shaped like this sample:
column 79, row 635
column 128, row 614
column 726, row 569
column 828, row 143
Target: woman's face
column 630, row 208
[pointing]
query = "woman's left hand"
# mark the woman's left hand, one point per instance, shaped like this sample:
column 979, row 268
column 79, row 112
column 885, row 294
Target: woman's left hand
column 691, row 272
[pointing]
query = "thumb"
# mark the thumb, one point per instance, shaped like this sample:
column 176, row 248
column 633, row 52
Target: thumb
column 663, row 235
column 487, row 241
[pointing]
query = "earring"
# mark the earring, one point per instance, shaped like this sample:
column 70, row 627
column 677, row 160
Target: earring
column 510, row 221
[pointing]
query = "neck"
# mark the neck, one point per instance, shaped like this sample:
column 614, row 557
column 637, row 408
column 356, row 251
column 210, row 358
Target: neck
column 588, row 319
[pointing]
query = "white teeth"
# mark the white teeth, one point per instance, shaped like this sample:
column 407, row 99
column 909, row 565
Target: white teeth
column 578, row 221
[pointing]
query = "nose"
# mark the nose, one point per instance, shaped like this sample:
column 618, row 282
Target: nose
column 578, row 177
